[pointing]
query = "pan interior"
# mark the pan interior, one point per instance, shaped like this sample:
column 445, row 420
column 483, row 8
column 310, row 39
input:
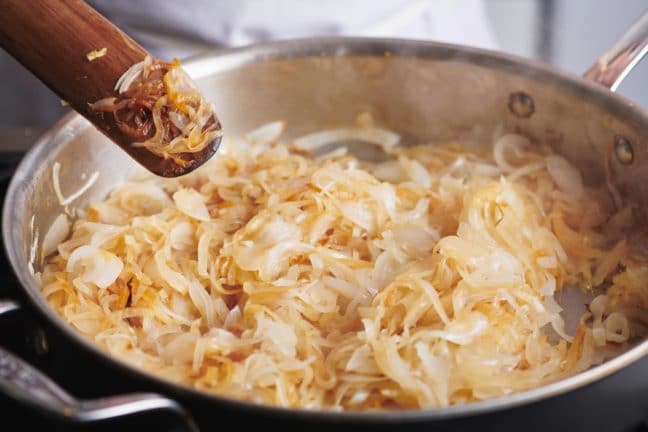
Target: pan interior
column 425, row 92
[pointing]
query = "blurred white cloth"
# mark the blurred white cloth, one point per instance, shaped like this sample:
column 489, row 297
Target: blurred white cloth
column 174, row 28
column 180, row 28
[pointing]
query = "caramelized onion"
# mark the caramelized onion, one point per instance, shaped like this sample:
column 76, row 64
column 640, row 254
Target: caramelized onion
column 158, row 107
column 427, row 280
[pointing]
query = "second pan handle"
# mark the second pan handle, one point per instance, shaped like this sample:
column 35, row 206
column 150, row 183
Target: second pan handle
column 23, row 383
column 613, row 66
column 27, row 385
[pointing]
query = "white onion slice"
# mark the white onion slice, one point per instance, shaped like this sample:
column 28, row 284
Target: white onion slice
column 55, row 235
column 567, row 178
column 191, row 203
column 383, row 138
column 56, row 182
column 266, row 133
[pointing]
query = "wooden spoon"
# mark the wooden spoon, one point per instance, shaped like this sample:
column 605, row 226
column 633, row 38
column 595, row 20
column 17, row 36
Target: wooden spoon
column 56, row 40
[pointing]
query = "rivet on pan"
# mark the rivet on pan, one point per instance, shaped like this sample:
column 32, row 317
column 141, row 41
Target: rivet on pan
column 521, row 104
column 623, row 150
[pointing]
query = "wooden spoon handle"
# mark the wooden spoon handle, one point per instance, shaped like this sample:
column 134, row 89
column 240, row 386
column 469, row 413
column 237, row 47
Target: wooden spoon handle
column 53, row 39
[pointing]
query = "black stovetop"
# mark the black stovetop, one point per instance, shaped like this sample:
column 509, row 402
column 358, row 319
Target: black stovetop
column 620, row 403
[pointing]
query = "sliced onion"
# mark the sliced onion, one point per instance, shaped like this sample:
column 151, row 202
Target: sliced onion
column 192, row 204
column 266, row 133
column 95, row 265
column 124, row 82
column 55, row 235
column 567, row 178
column 509, row 143
column 383, row 138
column 56, row 169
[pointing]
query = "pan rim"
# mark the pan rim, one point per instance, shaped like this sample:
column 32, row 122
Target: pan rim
column 34, row 163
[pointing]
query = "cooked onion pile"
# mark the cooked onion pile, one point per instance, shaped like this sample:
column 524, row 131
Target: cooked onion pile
column 282, row 278
column 160, row 108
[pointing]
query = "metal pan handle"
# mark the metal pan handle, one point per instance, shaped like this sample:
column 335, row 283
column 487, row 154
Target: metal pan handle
column 7, row 306
column 613, row 66
column 29, row 386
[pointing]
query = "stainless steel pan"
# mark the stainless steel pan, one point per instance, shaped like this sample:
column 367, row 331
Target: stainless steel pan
column 425, row 91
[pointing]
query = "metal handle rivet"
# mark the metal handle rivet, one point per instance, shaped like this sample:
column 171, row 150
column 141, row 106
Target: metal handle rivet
column 521, row 104
column 623, row 150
